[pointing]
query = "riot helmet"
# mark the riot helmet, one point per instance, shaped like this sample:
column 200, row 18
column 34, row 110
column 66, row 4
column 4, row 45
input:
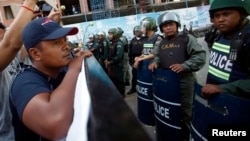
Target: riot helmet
column 149, row 23
column 101, row 35
column 168, row 17
column 136, row 28
column 241, row 5
column 120, row 31
column 115, row 32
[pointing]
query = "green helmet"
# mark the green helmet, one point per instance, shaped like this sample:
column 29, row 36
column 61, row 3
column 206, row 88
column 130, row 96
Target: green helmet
column 167, row 17
column 115, row 32
column 149, row 24
column 222, row 4
column 120, row 31
column 124, row 40
column 137, row 28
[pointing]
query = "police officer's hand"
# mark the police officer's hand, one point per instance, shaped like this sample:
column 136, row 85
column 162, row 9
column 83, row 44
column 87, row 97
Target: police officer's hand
column 136, row 58
column 209, row 89
column 177, row 68
column 135, row 65
column 153, row 66
column 137, row 61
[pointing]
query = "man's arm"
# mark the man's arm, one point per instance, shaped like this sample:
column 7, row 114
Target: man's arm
column 240, row 88
column 12, row 42
column 237, row 87
column 197, row 55
column 51, row 114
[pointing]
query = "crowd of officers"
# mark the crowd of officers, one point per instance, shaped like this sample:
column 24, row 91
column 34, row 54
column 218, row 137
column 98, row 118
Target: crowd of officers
column 115, row 53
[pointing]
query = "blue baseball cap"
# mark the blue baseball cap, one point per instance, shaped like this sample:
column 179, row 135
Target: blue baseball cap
column 42, row 29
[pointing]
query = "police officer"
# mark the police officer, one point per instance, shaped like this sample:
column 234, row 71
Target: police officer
column 228, row 80
column 230, row 18
column 144, row 75
column 152, row 39
column 181, row 53
column 92, row 45
column 103, row 47
column 135, row 50
column 125, row 57
column 114, row 61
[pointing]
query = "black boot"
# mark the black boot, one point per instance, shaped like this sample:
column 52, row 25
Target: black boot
column 131, row 91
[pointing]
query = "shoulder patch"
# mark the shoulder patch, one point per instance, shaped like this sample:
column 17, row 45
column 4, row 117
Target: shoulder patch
column 119, row 46
column 105, row 43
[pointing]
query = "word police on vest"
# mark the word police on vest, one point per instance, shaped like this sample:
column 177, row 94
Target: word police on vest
column 221, row 61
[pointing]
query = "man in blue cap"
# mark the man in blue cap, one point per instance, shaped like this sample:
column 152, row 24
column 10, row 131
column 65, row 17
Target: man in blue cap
column 42, row 96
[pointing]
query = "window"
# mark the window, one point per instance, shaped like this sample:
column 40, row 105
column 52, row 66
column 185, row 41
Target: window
column 8, row 13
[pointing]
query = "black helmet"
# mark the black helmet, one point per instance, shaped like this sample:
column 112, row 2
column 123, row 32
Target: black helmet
column 222, row 4
column 167, row 17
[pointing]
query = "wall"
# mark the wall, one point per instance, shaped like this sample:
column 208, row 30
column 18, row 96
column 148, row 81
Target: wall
column 197, row 16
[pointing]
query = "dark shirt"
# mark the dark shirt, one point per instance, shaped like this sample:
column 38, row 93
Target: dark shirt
column 26, row 85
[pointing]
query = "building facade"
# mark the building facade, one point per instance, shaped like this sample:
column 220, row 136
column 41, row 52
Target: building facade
column 75, row 11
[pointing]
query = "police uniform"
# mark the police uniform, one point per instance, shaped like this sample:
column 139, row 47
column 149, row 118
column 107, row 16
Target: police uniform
column 135, row 50
column 185, row 50
column 125, row 61
column 227, row 87
column 144, row 82
column 115, row 68
column 103, row 48
column 231, row 73
column 93, row 45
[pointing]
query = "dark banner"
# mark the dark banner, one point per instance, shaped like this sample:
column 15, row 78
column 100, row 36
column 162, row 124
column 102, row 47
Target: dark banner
column 109, row 117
